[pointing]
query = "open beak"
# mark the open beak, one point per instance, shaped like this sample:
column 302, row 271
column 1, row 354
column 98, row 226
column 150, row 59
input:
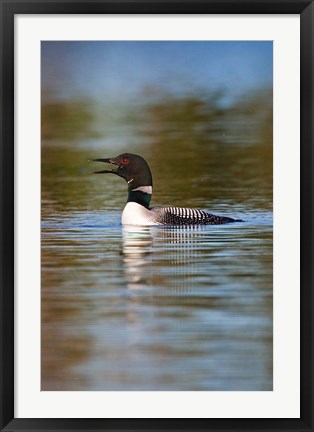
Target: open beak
column 105, row 171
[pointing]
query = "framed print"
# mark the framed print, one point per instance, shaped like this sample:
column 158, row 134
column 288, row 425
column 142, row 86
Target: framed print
column 175, row 292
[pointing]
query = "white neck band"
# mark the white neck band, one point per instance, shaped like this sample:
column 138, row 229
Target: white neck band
column 145, row 189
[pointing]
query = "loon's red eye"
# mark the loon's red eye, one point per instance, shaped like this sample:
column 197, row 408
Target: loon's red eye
column 125, row 161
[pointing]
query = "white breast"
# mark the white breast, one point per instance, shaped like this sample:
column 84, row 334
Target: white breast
column 135, row 214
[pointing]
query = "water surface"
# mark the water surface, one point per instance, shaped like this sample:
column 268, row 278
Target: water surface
column 157, row 308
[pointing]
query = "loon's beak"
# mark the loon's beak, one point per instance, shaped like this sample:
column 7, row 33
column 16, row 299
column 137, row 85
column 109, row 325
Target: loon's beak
column 105, row 171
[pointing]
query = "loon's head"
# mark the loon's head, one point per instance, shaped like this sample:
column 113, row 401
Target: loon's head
column 133, row 168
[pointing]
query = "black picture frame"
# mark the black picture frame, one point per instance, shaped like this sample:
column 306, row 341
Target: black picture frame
column 8, row 10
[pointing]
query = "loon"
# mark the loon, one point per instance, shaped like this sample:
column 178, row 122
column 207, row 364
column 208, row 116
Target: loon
column 135, row 170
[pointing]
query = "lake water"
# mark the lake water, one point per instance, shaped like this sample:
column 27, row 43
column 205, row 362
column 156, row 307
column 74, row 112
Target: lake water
column 157, row 308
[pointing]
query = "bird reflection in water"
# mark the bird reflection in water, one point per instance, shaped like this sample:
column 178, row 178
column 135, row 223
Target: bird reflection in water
column 161, row 257
column 137, row 256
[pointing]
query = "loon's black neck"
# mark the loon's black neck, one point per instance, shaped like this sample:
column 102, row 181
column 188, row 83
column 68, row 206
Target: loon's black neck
column 142, row 195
